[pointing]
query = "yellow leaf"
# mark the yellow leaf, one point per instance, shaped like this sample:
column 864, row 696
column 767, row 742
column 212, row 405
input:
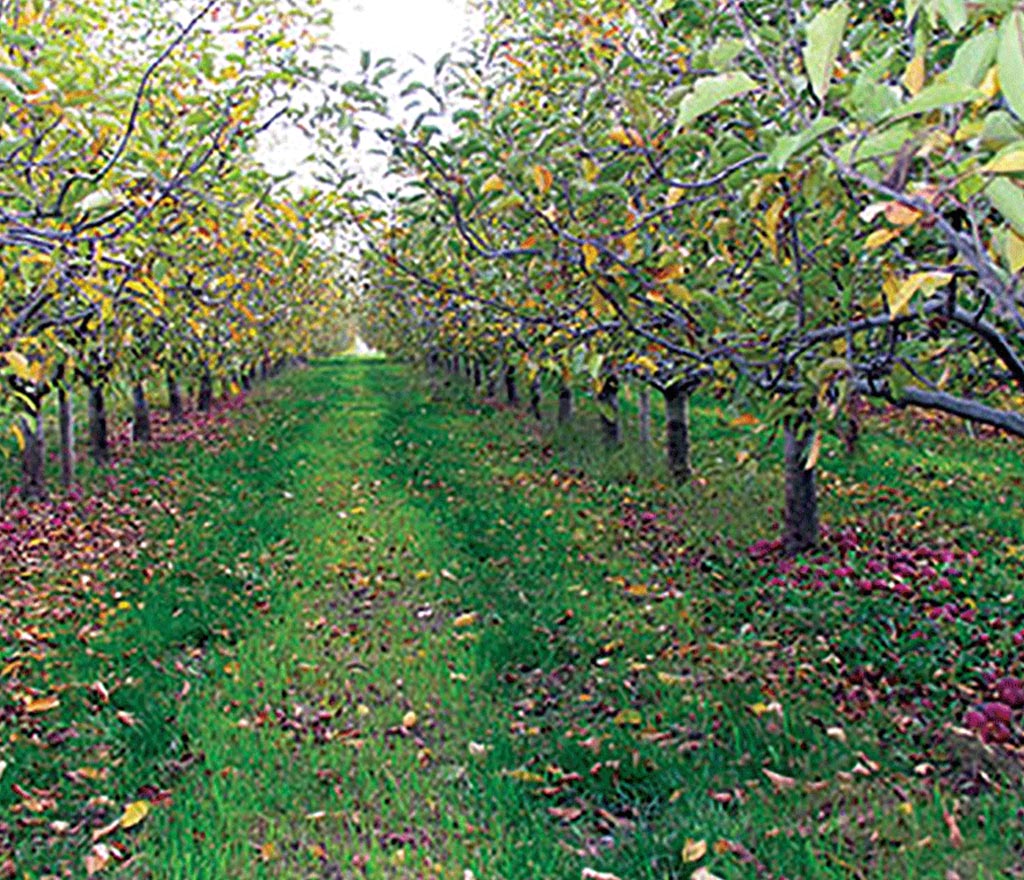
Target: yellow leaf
column 1007, row 163
column 268, row 851
column 675, row 194
column 913, row 76
column 899, row 214
column 626, row 137
column 524, row 776
column 815, row 453
column 249, row 216
column 590, row 255
column 467, row 619
column 881, row 237
column 20, row 365
column 493, row 184
column 629, row 717
column 927, row 281
column 409, row 720
column 772, row 218
column 42, row 704
column 16, row 431
column 694, row 850
column 1014, row 250
column 590, row 170
column 747, row 420
column 990, row 84
column 134, row 813
column 543, row 178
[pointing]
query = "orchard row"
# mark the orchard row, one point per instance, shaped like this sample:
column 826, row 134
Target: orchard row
column 799, row 207
column 140, row 239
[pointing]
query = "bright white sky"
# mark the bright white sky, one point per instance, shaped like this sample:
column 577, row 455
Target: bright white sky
column 398, row 29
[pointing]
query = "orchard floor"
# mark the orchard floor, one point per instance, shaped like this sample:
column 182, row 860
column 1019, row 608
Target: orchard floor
column 383, row 630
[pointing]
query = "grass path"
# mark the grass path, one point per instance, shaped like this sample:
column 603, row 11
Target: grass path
column 390, row 637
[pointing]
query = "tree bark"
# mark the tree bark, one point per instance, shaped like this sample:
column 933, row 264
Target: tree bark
column 174, row 401
column 205, row 402
column 99, row 441
column 677, row 420
column 66, row 423
column 478, row 376
column 142, row 431
column 535, row 397
column 645, row 416
column 492, row 382
column 511, row 391
column 608, row 400
column 33, row 457
column 564, row 405
column 800, row 528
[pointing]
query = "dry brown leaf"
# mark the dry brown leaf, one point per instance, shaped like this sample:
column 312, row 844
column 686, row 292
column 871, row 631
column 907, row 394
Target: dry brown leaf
column 956, row 839
column 42, row 704
column 780, row 782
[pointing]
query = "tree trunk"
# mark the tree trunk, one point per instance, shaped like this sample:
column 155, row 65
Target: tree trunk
column 245, row 380
column 265, row 368
column 33, row 457
column 801, row 529
column 99, row 442
column 492, row 382
column 645, row 416
column 142, row 431
column 478, row 376
column 511, row 391
column 205, row 401
column 608, row 405
column 66, row 422
column 564, row 405
column 177, row 408
column 535, row 397
column 677, row 419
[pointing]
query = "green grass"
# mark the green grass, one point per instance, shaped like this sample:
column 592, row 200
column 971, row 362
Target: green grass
column 586, row 693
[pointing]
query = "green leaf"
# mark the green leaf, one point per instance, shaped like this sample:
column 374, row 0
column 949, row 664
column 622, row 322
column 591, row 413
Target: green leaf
column 1008, row 199
column 789, row 146
column 973, row 59
column 955, row 13
column 940, row 94
column 1011, row 61
column 711, row 91
column 824, row 40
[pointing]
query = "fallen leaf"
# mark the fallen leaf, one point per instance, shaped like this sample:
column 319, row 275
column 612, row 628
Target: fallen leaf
column 956, row 839
column 780, row 782
column 694, row 850
column 591, row 874
column 98, row 859
column 134, row 813
column 42, row 704
column 409, row 720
